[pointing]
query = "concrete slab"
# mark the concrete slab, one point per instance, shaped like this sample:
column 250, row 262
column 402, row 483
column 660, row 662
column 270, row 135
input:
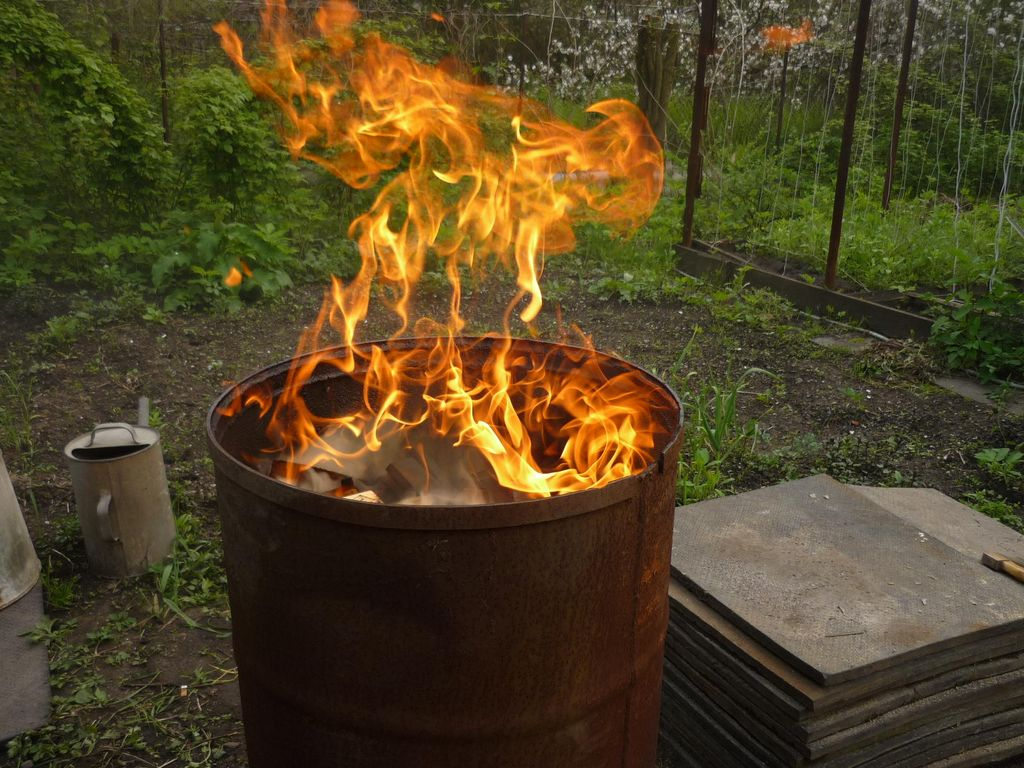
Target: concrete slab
column 24, row 668
column 949, row 521
column 939, row 725
column 835, row 585
column 980, row 393
column 819, row 710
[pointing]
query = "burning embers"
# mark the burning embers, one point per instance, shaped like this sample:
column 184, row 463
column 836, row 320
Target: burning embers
column 472, row 177
column 563, row 419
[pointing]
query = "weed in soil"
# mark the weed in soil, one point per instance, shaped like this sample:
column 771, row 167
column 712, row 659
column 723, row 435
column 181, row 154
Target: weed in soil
column 107, row 707
column 113, row 703
column 16, row 413
column 996, row 507
column 715, row 436
column 1003, row 464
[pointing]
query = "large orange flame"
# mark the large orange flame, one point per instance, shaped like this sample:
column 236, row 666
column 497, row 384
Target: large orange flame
column 474, row 177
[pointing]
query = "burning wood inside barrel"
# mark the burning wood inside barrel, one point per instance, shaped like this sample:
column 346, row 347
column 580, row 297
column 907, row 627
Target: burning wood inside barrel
column 413, row 466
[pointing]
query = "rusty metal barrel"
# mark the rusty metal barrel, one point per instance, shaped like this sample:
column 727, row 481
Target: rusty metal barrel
column 525, row 634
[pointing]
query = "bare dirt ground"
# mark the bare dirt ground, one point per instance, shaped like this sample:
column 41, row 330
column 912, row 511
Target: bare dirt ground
column 121, row 651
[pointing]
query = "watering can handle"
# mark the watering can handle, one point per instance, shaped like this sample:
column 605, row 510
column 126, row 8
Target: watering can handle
column 103, row 517
column 113, row 425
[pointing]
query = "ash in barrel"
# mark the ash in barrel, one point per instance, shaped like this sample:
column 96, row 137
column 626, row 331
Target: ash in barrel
column 413, row 465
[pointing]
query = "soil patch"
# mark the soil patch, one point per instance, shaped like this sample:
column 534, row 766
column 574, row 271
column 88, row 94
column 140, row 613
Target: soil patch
column 868, row 416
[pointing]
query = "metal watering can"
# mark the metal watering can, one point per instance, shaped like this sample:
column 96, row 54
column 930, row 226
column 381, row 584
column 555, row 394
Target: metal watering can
column 124, row 508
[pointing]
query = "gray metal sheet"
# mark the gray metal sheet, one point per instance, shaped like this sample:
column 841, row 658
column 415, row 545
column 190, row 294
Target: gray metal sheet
column 763, row 699
column 962, row 737
column 752, row 725
column 960, row 710
column 809, row 732
column 669, row 743
column 926, row 722
column 989, row 755
column 24, row 669
column 835, row 585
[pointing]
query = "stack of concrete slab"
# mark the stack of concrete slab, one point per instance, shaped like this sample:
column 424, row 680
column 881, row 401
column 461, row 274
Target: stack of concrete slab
column 818, row 624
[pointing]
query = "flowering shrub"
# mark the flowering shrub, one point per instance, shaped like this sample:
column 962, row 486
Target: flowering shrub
column 593, row 51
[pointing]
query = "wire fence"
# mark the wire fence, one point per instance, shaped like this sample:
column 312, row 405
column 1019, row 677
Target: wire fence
column 775, row 112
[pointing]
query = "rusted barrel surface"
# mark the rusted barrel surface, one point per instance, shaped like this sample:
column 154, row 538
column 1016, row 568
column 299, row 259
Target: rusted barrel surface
column 518, row 635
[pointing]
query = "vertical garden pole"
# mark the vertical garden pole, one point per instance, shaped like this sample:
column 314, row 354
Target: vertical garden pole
column 843, row 171
column 782, row 101
column 521, row 48
column 694, row 162
column 901, row 95
column 164, row 109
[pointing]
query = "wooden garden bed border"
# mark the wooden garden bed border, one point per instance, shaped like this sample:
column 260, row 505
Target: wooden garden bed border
column 889, row 321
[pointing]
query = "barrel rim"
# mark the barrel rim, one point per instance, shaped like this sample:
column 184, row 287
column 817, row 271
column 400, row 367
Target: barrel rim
column 430, row 517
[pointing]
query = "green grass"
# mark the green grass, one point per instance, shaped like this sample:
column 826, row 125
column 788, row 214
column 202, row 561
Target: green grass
column 995, row 506
column 16, row 416
column 191, row 585
column 106, row 706
column 715, row 435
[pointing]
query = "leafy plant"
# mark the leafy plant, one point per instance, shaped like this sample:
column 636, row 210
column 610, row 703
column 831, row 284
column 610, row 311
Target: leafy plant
column 193, row 577
column 714, row 436
column 85, row 171
column 76, row 139
column 856, row 398
column 63, row 330
column 1007, row 464
column 194, row 264
column 996, row 507
column 225, row 147
column 16, row 414
column 985, row 333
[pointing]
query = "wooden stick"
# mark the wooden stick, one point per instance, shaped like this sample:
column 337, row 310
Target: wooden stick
column 843, row 172
column 1002, row 563
column 695, row 163
column 901, row 95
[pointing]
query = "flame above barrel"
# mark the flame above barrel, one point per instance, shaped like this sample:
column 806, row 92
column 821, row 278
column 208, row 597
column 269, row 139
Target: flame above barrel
column 476, row 179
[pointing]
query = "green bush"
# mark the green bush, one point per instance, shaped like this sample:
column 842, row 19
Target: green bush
column 226, row 149
column 77, row 143
column 186, row 260
column 985, row 333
